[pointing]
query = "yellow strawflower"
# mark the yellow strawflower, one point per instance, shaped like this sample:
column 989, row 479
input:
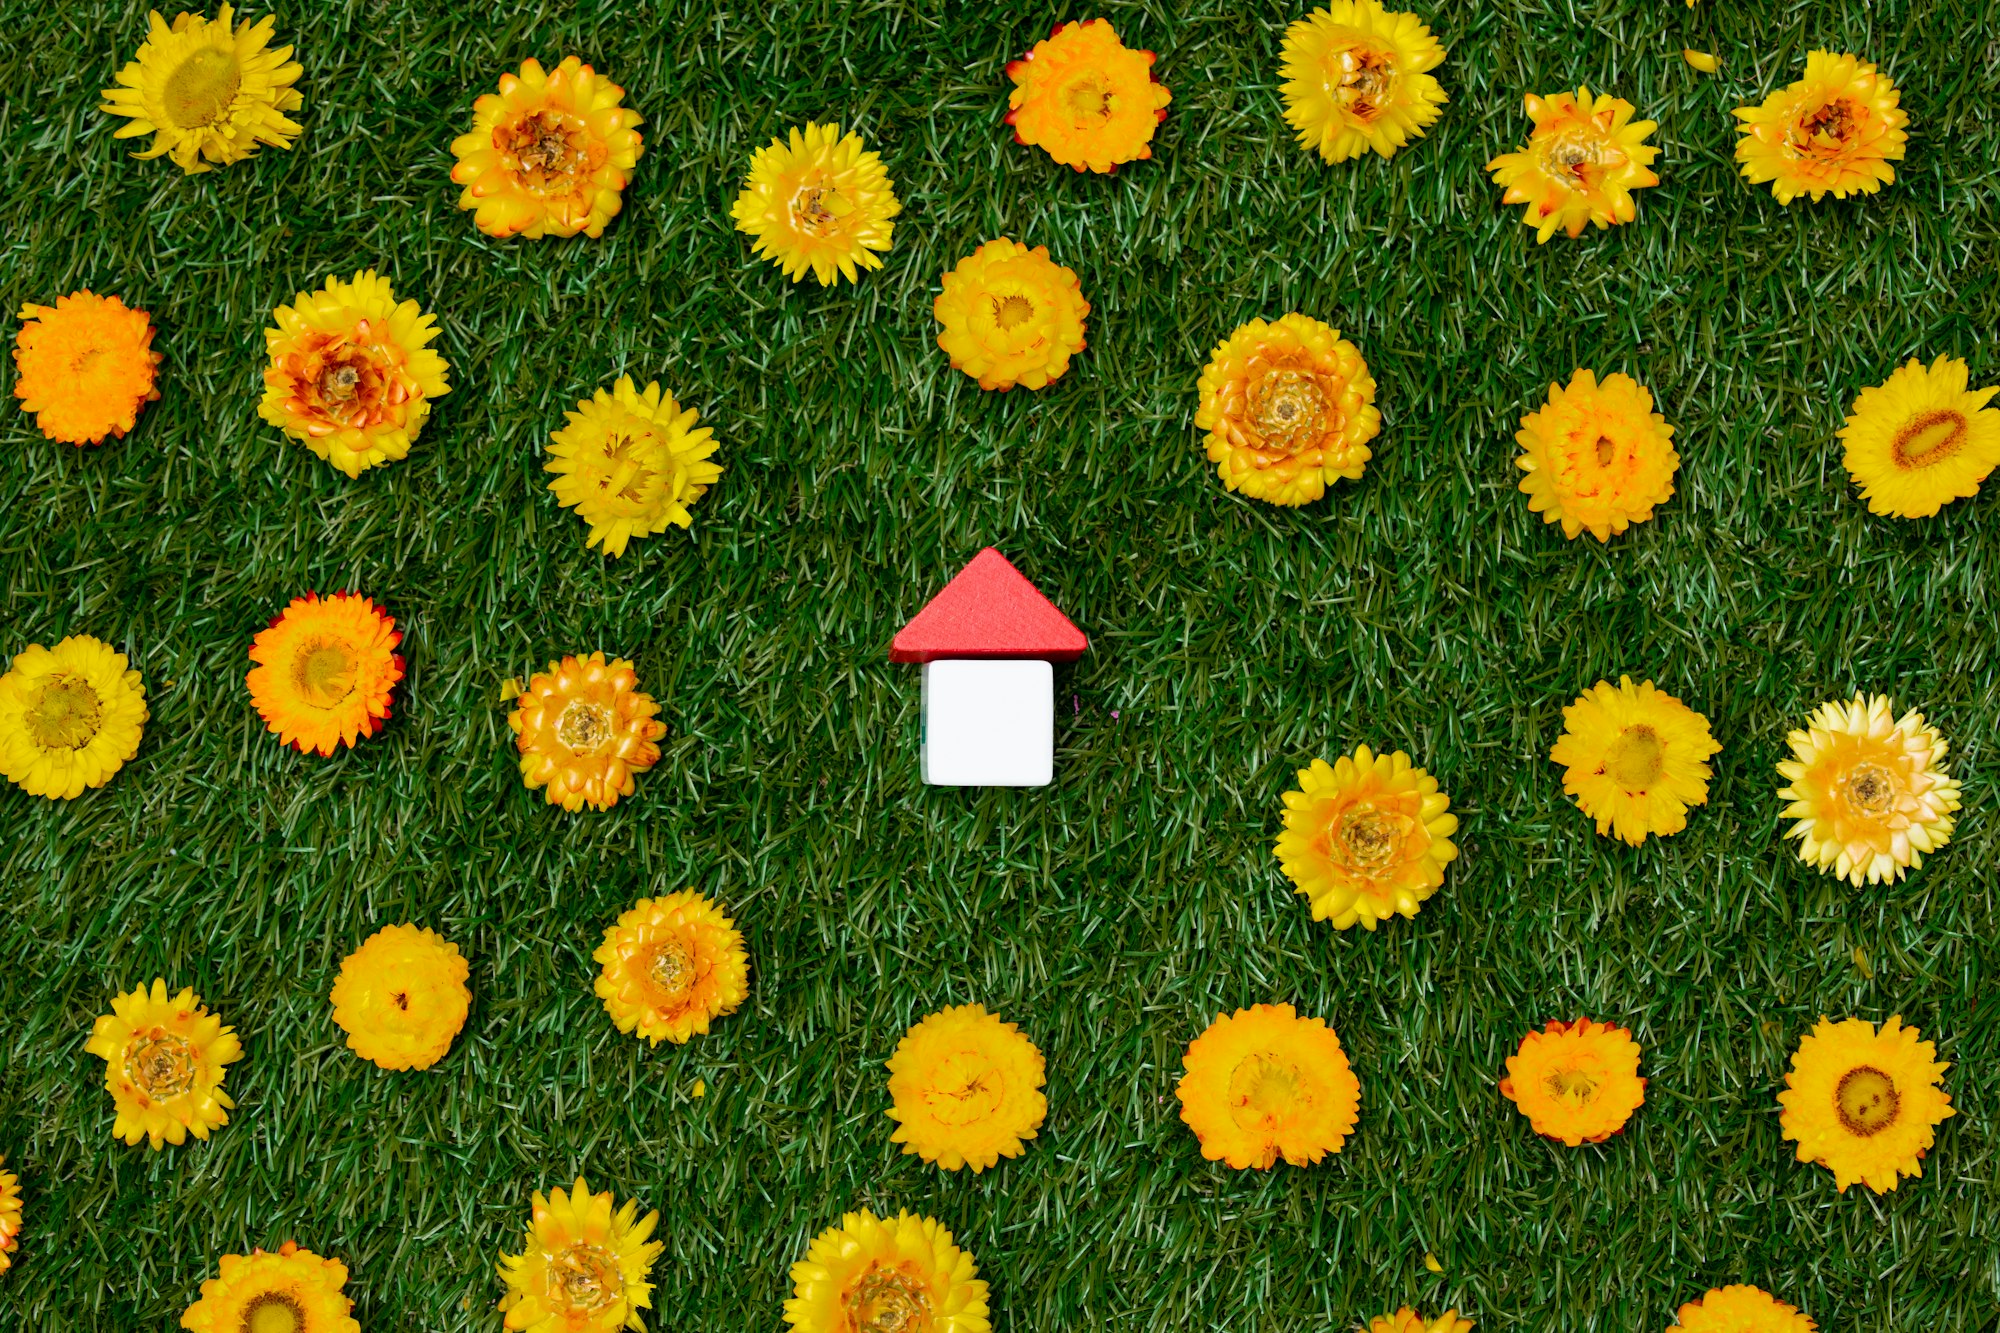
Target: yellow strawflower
column 1598, row 458
column 1358, row 76
column 886, row 1275
column 820, row 202
column 584, row 1267
column 670, row 966
column 207, row 92
column 1289, row 407
column 1635, row 758
column 1864, row 1102
column 1011, row 315
column 163, row 1065
column 1580, row 165
column 292, row 1291
column 549, row 155
column 1366, row 838
column 1264, row 1083
column 966, row 1089
column 1921, row 440
column 10, row 1216
column 1868, row 790
column 1835, row 131
column 401, row 997
column 630, row 463
column 70, row 716
column 1577, row 1082
column 584, row 729
column 1740, row 1309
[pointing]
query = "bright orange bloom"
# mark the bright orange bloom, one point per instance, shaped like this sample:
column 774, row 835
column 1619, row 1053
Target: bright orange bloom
column 1835, row 131
column 1087, row 98
column 325, row 670
column 550, row 155
column 583, row 729
column 1578, row 1082
column 86, row 367
column 1288, row 407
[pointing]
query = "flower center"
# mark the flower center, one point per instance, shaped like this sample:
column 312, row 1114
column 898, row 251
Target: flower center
column 964, row 1091
column 338, row 382
column 66, row 715
column 1929, row 438
column 324, row 673
column 1370, row 838
column 161, row 1065
column 1089, row 102
column 1285, row 407
column 1262, row 1089
column 1605, row 449
column 583, row 1279
column 1572, row 1087
column 886, row 1300
column 1866, row 1101
column 671, row 968
column 1871, row 789
column 820, row 210
column 1366, row 80
column 545, row 150
column 1824, row 130
column 1011, row 312
column 1636, row 759
column 199, row 91
column 273, row 1312
column 584, row 725
column 1578, row 158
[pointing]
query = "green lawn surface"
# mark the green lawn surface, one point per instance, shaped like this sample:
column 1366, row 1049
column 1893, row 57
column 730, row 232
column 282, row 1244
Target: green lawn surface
column 1116, row 912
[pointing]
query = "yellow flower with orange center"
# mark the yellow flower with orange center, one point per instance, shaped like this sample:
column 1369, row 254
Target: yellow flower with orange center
column 401, row 998
column 886, row 1275
column 163, row 1065
column 584, row 1267
column 352, row 375
column 1366, row 837
column 1288, row 407
column 1864, row 1103
column 1635, row 758
column 583, row 729
column 1580, row 165
column 1922, row 440
column 630, row 463
column 1740, row 1309
column 1086, row 98
column 966, row 1089
column 1264, row 1083
column 1598, row 458
column 1868, row 790
column 1835, row 131
column 292, row 1291
column 1011, row 316
column 1358, row 76
column 10, row 1216
column 670, row 966
column 207, row 92
column 1407, row 1320
column 1578, row 1082
column 550, row 155
column 70, row 716
column 87, row 366
column 324, row 671
column 820, row 202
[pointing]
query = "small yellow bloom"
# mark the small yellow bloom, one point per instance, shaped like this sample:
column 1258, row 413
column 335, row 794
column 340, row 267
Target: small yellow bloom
column 1921, row 440
column 1869, row 790
column 820, row 202
column 670, row 966
column 1357, row 76
column 401, row 998
column 1700, row 60
column 584, row 729
column 550, row 155
column 1265, row 1083
column 87, row 366
column 69, row 717
column 1366, row 837
column 1578, row 1082
column 10, row 1216
column 1086, row 98
column 1740, row 1309
column 1580, row 165
column 1598, row 458
column 1288, row 408
column 1635, row 758
column 630, row 463
column 1864, row 1103
column 163, row 1065
column 207, row 93
column 966, row 1089
column 1011, row 316
column 584, row 1267
column 1407, row 1320
column 886, row 1275
column 325, row 670
column 292, row 1291
column 1835, row 131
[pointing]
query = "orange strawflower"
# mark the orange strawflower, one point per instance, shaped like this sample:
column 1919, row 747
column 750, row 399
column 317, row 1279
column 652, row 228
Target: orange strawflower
column 550, row 155
column 1086, row 98
column 583, row 729
column 1263, row 1083
column 86, row 367
column 325, row 670
column 1578, row 1082
column 1288, row 407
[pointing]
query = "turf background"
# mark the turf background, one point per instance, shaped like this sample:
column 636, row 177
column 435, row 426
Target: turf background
column 1116, row 912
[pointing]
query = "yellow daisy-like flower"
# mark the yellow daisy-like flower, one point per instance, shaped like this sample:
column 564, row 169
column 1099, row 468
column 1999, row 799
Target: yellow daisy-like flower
column 401, row 998
column 1288, row 407
column 292, row 1291
column 352, row 375
column 1358, row 76
column 325, row 670
column 1264, row 1083
column 1864, row 1103
column 1580, row 165
column 1366, row 837
column 583, row 729
column 584, row 1267
column 1086, row 98
column 1635, row 758
column 87, row 366
column 10, row 1216
column 1922, row 440
column 163, row 1065
column 1011, row 316
column 208, row 93
column 1869, row 790
column 630, row 464
column 1598, row 458
column 70, row 717
column 966, row 1088
column 1835, row 131
column 550, row 155
column 821, row 203
column 886, row 1275
column 1741, row 1309
column 1578, row 1082
column 670, row 966
column 1407, row 1320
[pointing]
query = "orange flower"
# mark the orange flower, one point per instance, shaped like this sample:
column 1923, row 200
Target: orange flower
column 1264, row 1082
column 550, row 155
column 1578, row 1082
column 584, row 729
column 1835, row 131
column 1288, row 407
column 670, row 966
column 1580, row 165
column 1087, row 98
column 1598, row 458
column 325, row 670
column 86, row 367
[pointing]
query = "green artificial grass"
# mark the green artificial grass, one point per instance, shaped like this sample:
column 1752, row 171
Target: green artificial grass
column 1115, row 913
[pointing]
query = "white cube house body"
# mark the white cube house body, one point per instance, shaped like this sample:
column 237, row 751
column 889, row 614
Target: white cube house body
column 989, row 722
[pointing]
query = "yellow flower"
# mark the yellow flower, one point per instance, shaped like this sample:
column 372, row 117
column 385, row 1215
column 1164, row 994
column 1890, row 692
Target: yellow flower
column 966, row 1088
column 1835, row 131
column 1741, row 1310
column 550, row 155
column 69, row 717
column 1358, row 77
column 584, row 1267
column 1635, row 758
column 1088, row 99
column 86, row 367
column 401, row 997
column 352, row 375
column 1366, row 837
column 163, row 1058
column 1869, row 790
column 821, row 203
column 884, row 1275
column 1865, row 1104
column 630, row 464
column 1580, row 165
column 1011, row 316
column 1407, row 1320
column 1597, row 457
column 1578, row 1082
column 292, row 1291
column 1921, row 440
column 583, row 729
column 325, row 670
column 208, row 95
column 1264, row 1083
column 10, row 1216
column 1288, row 407
column 670, row 966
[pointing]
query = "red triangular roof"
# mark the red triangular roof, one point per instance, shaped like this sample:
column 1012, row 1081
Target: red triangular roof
column 989, row 610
